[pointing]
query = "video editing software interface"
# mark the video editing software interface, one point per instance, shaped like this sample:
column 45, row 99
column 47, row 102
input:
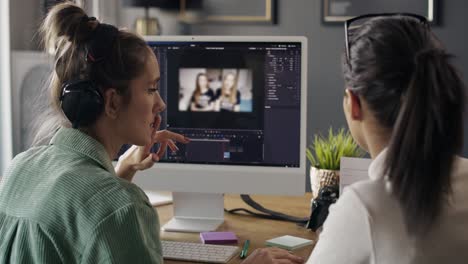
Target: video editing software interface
column 238, row 102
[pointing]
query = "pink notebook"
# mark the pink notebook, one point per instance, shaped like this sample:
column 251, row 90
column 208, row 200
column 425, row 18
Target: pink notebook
column 218, row 238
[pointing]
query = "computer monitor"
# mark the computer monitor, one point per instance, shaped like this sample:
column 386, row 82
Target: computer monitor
column 247, row 122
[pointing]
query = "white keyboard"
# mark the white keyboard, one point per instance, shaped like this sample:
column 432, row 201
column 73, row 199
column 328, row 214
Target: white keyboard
column 197, row 252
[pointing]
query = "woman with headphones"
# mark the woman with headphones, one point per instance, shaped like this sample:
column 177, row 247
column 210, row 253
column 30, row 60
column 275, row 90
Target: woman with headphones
column 64, row 202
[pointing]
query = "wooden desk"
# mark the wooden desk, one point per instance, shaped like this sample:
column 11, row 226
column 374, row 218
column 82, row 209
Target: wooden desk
column 247, row 227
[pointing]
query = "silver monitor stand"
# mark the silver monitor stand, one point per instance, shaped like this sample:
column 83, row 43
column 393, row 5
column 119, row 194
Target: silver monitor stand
column 196, row 212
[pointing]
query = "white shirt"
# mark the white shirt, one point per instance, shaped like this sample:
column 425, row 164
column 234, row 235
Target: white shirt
column 366, row 225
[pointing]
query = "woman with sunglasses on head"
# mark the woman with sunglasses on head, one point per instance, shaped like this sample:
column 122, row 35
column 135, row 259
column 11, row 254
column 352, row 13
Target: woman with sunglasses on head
column 64, row 202
column 404, row 103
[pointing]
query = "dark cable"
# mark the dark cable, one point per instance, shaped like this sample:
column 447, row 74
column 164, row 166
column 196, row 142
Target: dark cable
column 266, row 213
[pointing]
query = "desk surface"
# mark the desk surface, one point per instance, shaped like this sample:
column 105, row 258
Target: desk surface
column 247, row 227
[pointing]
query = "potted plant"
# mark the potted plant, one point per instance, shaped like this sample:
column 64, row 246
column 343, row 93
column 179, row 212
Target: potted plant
column 325, row 154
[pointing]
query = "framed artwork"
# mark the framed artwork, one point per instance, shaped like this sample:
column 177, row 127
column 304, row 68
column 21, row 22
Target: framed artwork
column 238, row 11
column 341, row 10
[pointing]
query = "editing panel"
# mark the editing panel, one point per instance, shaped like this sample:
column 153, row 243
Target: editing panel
column 238, row 102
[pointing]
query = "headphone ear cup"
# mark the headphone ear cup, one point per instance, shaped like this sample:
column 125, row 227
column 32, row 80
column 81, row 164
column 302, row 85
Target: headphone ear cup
column 90, row 107
column 82, row 103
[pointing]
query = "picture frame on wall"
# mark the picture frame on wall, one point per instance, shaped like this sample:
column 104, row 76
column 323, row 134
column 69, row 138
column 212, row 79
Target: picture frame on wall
column 239, row 11
column 342, row 10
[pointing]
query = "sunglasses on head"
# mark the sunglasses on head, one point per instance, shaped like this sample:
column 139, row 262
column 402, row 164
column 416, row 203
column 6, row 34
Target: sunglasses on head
column 354, row 23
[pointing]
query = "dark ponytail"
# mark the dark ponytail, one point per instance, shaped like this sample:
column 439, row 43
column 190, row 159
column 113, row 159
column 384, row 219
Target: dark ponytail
column 427, row 135
column 420, row 97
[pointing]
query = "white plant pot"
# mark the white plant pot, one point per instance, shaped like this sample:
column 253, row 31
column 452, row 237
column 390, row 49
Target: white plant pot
column 320, row 178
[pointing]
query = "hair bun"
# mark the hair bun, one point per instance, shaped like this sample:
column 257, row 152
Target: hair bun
column 67, row 21
column 101, row 41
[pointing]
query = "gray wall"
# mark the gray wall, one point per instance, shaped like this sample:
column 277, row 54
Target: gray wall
column 326, row 42
column 25, row 18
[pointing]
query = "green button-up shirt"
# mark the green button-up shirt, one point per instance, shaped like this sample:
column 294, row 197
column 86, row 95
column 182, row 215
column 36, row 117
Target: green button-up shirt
column 63, row 203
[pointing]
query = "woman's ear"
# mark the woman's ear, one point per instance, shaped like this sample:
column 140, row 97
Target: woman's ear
column 112, row 103
column 353, row 103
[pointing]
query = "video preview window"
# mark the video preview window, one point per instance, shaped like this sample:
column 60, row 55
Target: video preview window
column 215, row 90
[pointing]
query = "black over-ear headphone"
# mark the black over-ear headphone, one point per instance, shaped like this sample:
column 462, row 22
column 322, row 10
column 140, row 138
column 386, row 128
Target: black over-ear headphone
column 81, row 102
column 81, row 99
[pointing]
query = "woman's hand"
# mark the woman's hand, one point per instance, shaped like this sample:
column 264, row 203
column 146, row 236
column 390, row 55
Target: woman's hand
column 140, row 158
column 272, row 255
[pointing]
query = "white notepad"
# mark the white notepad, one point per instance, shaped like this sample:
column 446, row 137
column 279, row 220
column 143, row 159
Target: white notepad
column 289, row 242
column 353, row 170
